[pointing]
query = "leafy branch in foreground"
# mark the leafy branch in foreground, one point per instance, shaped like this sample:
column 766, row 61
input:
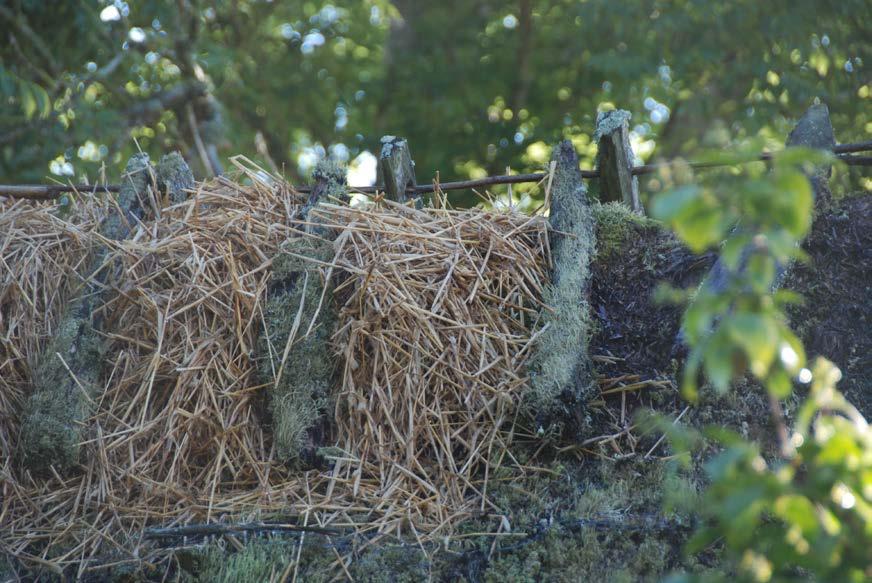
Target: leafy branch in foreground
column 806, row 515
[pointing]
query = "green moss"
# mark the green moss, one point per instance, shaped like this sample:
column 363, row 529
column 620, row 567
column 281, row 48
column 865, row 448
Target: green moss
column 588, row 556
column 335, row 176
column 260, row 560
column 266, row 559
column 175, row 176
column 299, row 397
column 615, row 225
column 60, row 403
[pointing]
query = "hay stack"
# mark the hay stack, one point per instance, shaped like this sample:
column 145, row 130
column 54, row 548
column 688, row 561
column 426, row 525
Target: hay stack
column 435, row 310
column 434, row 333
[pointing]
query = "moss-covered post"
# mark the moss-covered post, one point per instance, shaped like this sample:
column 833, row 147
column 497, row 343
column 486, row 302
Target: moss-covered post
column 330, row 184
column 174, row 177
column 396, row 169
column 561, row 373
column 615, row 160
column 814, row 130
column 295, row 353
column 67, row 378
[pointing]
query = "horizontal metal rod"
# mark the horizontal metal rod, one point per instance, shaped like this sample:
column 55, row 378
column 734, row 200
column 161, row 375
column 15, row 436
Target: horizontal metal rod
column 51, row 191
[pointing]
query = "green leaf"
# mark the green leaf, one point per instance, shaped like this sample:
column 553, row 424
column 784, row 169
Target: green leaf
column 668, row 205
column 719, row 363
column 761, row 272
column 782, row 245
column 28, row 100
column 42, row 100
column 786, row 297
column 798, row 511
column 691, row 369
column 732, row 250
column 794, row 157
column 796, row 201
column 700, row 225
column 795, row 360
column 758, row 336
column 701, row 540
column 724, row 436
column 779, row 384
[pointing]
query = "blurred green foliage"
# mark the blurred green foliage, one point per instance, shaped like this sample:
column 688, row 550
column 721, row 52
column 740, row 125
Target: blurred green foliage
column 805, row 515
column 740, row 324
column 475, row 86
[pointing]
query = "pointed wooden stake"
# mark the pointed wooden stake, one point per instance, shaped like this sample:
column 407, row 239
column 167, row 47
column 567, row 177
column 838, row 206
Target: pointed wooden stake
column 174, row 175
column 561, row 372
column 396, row 168
column 67, row 378
column 614, row 160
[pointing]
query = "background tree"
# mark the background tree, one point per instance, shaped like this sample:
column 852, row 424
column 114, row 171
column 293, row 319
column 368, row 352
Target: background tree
column 475, row 86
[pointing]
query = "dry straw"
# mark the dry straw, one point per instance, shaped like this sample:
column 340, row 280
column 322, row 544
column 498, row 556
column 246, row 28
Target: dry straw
column 437, row 309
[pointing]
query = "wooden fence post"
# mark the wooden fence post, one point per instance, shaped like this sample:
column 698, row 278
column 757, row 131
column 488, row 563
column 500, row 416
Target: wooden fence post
column 561, row 372
column 814, row 130
column 615, row 160
column 396, row 168
column 299, row 312
column 67, row 377
column 174, row 175
column 331, row 181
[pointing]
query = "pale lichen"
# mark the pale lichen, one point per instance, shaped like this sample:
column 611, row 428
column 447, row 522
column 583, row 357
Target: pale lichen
column 297, row 357
column 609, row 121
column 560, row 371
column 65, row 385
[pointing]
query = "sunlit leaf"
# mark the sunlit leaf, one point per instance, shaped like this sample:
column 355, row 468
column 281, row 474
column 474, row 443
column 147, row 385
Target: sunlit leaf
column 794, row 212
column 668, row 205
column 28, row 100
column 718, row 363
column 758, row 336
column 779, row 384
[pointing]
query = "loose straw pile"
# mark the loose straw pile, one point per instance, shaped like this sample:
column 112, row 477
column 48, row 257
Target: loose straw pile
column 435, row 330
column 437, row 309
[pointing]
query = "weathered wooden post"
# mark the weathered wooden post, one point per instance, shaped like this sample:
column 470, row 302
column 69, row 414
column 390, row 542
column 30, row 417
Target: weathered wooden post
column 615, row 160
column 67, row 378
column 815, row 130
column 561, row 373
column 174, row 176
column 396, row 169
column 295, row 351
column 330, row 183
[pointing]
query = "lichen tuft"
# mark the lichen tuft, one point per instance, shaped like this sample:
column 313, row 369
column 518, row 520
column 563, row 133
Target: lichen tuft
column 302, row 373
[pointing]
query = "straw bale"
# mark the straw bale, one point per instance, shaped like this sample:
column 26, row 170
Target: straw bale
column 434, row 312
